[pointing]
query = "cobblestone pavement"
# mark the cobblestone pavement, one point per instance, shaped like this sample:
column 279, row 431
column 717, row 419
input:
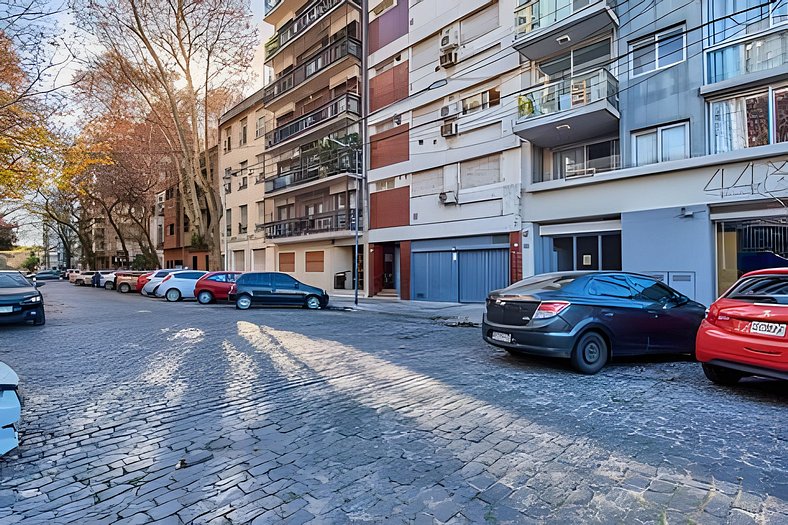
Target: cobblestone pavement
column 139, row 410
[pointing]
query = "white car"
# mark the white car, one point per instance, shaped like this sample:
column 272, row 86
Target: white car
column 150, row 287
column 179, row 285
column 107, row 279
column 84, row 279
column 10, row 409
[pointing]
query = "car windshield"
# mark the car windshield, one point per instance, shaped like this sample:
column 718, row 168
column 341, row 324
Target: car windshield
column 13, row 280
column 772, row 289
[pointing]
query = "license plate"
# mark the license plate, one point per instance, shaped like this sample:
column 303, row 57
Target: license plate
column 775, row 329
column 504, row 338
column 6, row 309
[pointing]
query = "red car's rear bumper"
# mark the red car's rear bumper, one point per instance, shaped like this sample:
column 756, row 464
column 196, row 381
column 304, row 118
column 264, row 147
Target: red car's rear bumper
column 715, row 344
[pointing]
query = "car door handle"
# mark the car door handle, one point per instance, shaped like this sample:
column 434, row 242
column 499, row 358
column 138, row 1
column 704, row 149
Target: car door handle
column 608, row 314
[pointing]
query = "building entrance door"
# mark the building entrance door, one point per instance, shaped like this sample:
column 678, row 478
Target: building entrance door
column 388, row 267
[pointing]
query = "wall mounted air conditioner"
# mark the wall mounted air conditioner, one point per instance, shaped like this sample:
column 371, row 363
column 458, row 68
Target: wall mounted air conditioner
column 450, row 38
column 449, row 129
column 447, row 198
column 448, row 59
column 450, row 111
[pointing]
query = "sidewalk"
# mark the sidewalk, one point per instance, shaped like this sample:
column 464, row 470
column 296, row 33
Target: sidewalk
column 449, row 312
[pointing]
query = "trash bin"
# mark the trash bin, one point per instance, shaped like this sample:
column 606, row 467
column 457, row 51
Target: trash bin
column 340, row 278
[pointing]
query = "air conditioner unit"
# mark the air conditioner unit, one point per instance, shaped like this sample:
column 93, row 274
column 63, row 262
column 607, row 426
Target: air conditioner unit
column 448, row 198
column 450, row 38
column 448, row 59
column 449, row 129
column 450, row 111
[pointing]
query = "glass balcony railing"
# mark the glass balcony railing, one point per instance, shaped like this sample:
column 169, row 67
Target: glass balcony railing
column 314, row 166
column 299, row 25
column 312, row 66
column 333, row 221
column 571, row 93
column 270, row 5
column 751, row 56
column 347, row 103
column 538, row 14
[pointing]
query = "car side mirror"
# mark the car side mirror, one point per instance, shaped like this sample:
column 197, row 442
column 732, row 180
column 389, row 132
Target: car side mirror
column 38, row 284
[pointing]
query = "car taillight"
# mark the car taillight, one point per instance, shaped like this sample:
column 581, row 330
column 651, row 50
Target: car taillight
column 166, row 278
column 549, row 309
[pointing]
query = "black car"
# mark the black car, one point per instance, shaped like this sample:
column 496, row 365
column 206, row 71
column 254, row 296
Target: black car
column 275, row 289
column 47, row 275
column 20, row 301
column 590, row 317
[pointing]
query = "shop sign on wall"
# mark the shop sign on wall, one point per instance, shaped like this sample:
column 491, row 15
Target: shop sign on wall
column 767, row 179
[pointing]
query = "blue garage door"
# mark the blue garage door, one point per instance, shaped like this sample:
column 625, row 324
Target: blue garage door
column 462, row 276
column 482, row 271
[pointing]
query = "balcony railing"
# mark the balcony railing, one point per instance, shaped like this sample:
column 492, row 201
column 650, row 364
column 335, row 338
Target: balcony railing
column 758, row 54
column 299, row 25
column 348, row 102
column 343, row 220
column 310, row 67
column 567, row 94
column 538, row 14
column 270, row 5
column 314, row 166
column 242, row 228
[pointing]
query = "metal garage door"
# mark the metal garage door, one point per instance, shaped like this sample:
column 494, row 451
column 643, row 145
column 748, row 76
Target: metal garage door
column 482, row 271
column 434, row 277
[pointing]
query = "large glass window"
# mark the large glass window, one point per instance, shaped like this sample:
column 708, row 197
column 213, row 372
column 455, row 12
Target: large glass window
column 658, row 51
column 586, row 252
column 750, row 56
column 743, row 121
column 661, row 144
column 737, row 18
column 744, row 246
column 587, row 159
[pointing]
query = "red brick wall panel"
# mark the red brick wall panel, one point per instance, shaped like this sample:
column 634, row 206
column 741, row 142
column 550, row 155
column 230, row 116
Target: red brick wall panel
column 390, row 208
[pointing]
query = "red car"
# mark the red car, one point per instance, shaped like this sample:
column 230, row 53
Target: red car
column 746, row 330
column 142, row 280
column 214, row 286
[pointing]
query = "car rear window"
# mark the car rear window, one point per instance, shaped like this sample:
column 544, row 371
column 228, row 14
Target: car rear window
column 771, row 289
column 541, row 284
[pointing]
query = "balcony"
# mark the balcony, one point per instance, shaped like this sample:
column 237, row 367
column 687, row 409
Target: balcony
column 270, row 5
column 299, row 25
column 321, row 223
column 317, row 63
column 567, row 111
column 345, row 104
column 313, row 166
column 764, row 56
column 242, row 228
column 546, row 27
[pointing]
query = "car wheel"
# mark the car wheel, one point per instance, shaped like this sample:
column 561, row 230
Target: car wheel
column 109, row 285
column 590, row 353
column 312, row 302
column 41, row 318
column 244, row 302
column 124, row 288
column 173, row 295
column 205, row 297
column 720, row 375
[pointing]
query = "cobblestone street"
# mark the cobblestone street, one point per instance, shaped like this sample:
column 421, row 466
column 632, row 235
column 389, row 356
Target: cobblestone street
column 137, row 410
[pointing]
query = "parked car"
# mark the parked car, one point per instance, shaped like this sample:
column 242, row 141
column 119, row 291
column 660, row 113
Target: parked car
column 214, row 286
column 107, row 280
column 590, row 317
column 72, row 275
column 10, row 409
column 744, row 332
column 99, row 277
column 20, row 301
column 47, row 275
column 126, row 281
column 275, row 289
column 154, row 280
column 179, row 285
column 84, row 278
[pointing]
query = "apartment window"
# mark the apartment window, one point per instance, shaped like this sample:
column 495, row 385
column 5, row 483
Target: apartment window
column 287, row 262
column 244, row 213
column 751, row 16
column 244, row 179
column 159, row 233
column 383, row 185
column 426, row 183
column 749, row 56
column 479, row 24
column 586, row 160
column 481, row 101
column 228, row 219
column 259, row 126
column 480, row 172
column 186, row 223
column 228, row 139
column 314, row 261
column 658, row 51
column 260, row 212
column 242, row 133
column 661, row 144
column 380, row 8
column 171, row 229
column 743, row 121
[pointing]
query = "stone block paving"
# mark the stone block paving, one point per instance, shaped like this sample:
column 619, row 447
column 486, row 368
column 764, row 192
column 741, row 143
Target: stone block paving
column 140, row 411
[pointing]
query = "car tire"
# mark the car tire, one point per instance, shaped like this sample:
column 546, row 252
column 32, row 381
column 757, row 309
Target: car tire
column 312, row 302
column 124, row 288
column 243, row 302
column 173, row 295
column 205, row 297
column 41, row 318
column 590, row 353
column 720, row 375
column 109, row 285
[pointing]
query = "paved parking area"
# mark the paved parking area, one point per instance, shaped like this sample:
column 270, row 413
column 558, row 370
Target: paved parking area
column 138, row 411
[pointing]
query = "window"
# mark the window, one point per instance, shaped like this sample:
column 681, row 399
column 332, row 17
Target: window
column 218, row 278
column 610, row 286
column 651, row 291
column 228, row 139
column 314, row 261
column 242, row 133
column 750, row 16
column 242, row 227
column 426, row 183
column 658, row 51
column 279, row 280
column 171, row 229
column 480, row 172
column 379, row 8
column 586, row 160
column 382, row 185
column 259, row 126
column 661, row 144
column 186, row 223
column 750, row 56
column 479, row 24
column 228, row 214
column 586, row 252
column 481, row 101
column 743, row 121
column 287, row 262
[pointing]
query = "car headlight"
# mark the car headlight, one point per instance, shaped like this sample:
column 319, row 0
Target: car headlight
column 32, row 300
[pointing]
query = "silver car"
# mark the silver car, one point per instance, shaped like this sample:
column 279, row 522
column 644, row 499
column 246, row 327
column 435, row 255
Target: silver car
column 156, row 279
column 179, row 285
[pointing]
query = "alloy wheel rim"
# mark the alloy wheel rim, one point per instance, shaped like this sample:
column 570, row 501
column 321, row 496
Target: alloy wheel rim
column 244, row 302
column 204, row 297
column 172, row 295
column 591, row 352
column 313, row 302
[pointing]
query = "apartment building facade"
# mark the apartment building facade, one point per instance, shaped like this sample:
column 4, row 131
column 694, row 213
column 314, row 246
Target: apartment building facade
column 656, row 138
column 313, row 145
column 444, row 162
